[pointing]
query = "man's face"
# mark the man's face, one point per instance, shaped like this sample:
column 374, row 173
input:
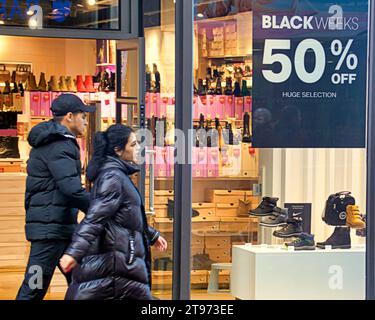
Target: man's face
column 77, row 123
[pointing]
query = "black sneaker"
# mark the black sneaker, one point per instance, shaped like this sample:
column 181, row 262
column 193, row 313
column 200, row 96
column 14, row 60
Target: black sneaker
column 340, row 239
column 279, row 218
column 304, row 241
column 265, row 208
column 293, row 228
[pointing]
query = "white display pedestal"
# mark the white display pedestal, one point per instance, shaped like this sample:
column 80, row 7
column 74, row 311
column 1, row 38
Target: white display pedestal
column 261, row 272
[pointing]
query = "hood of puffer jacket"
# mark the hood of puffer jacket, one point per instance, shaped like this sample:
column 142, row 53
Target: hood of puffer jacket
column 111, row 162
column 48, row 132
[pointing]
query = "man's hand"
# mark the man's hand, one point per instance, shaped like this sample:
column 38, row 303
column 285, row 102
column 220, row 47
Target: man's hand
column 67, row 263
column 161, row 244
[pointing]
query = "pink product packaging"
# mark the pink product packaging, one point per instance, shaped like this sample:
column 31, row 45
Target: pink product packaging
column 45, row 104
column 154, row 104
column 162, row 110
column 238, row 107
column 229, row 107
column 247, row 104
column 35, row 103
column 210, row 105
column 219, row 107
column 213, row 162
column 148, row 105
column 160, row 161
column 199, row 162
column 195, row 108
column 170, row 160
column 201, row 106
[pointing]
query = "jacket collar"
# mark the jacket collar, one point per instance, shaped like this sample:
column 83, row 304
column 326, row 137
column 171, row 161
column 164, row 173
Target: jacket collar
column 128, row 167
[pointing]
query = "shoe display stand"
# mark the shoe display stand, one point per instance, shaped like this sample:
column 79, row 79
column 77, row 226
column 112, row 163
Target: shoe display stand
column 274, row 272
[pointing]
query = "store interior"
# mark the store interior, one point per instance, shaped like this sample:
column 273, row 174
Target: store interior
column 230, row 177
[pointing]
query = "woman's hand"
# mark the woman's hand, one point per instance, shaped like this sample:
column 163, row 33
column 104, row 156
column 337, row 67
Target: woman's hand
column 67, row 263
column 161, row 244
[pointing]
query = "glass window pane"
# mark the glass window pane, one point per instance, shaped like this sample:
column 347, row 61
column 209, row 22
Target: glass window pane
column 85, row 14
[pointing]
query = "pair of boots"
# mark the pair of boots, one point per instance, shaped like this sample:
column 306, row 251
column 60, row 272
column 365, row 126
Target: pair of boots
column 64, row 84
column 86, row 85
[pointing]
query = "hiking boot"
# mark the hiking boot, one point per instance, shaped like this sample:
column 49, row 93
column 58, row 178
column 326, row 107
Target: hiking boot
column 340, row 239
column 62, row 84
column 265, row 208
column 304, row 241
column 279, row 217
column 293, row 228
column 70, row 84
column 362, row 232
column 353, row 217
column 42, row 86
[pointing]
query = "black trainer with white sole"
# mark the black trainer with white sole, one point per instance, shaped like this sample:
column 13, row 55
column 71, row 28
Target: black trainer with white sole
column 265, row 208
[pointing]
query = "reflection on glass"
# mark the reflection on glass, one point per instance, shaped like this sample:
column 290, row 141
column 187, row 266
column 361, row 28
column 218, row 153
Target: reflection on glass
column 83, row 14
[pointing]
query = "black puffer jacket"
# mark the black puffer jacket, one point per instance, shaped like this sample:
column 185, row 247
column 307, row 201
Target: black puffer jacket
column 54, row 191
column 112, row 243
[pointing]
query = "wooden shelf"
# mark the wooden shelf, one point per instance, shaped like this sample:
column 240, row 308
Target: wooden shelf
column 105, row 64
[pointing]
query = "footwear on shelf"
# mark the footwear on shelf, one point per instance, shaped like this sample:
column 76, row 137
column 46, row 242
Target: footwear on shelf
column 340, row 239
column 265, row 208
column 304, row 241
column 293, row 228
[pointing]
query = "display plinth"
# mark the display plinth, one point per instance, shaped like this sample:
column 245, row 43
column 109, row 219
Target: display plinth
column 271, row 272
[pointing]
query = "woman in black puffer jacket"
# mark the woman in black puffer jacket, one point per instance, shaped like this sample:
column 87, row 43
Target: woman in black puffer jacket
column 110, row 250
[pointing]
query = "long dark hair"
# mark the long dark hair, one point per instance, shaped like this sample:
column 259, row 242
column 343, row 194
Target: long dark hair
column 105, row 142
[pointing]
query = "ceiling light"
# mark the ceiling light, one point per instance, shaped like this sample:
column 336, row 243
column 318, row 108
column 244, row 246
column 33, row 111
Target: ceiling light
column 91, row 2
column 2, row 22
column 30, row 12
column 200, row 15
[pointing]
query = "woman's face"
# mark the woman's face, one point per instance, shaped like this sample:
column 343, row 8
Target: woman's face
column 131, row 149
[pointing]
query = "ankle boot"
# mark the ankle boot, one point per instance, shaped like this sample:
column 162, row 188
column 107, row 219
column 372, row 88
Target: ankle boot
column 340, row 239
column 70, row 84
column 15, row 88
column 201, row 88
column 246, row 128
column 219, row 89
column 80, row 85
column 112, row 82
column 22, row 90
column 237, row 90
column 7, row 89
column 245, row 90
column 228, row 86
column 42, row 86
column 31, row 83
column 62, row 84
column 89, row 84
column 353, row 217
column 53, row 84
column 265, row 208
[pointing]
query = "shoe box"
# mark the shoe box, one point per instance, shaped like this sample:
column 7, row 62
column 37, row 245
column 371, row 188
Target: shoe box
column 237, row 224
column 219, row 255
column 206, row 209
column 225, row 196
column 160, row 197
column 217, row 242
column 230, row 161
column 249, row 160
column 163, row 279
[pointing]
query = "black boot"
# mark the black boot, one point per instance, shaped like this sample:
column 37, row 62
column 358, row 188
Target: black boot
column 9, row 147
column 237, row 90
column 42, row 86
column 340, row 239
column 228, row 87
column 245, row 90
column 219, row 89
column 265, row 208
column 7, row 89
column 246, row 128
column 201, row 88
column 148, row 79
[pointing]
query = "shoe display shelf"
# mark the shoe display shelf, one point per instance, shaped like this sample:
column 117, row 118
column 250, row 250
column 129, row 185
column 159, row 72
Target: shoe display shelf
column 274, row 272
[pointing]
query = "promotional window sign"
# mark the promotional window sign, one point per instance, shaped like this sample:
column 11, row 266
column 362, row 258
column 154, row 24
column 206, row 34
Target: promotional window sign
column 300, row 211
column 310, row 72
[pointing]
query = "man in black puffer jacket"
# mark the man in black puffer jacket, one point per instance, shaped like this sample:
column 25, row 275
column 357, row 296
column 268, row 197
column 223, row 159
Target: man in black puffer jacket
column 54, row 192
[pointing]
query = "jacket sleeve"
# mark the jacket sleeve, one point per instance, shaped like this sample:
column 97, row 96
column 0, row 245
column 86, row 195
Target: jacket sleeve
column 63, row 167
column 153, row 235
column 106, row 203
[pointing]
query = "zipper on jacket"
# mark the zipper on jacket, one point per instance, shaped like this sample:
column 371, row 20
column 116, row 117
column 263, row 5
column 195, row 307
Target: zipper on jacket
column 131, row 248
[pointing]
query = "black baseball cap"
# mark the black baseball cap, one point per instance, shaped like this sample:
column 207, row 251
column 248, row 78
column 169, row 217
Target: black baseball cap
column 68, row 102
